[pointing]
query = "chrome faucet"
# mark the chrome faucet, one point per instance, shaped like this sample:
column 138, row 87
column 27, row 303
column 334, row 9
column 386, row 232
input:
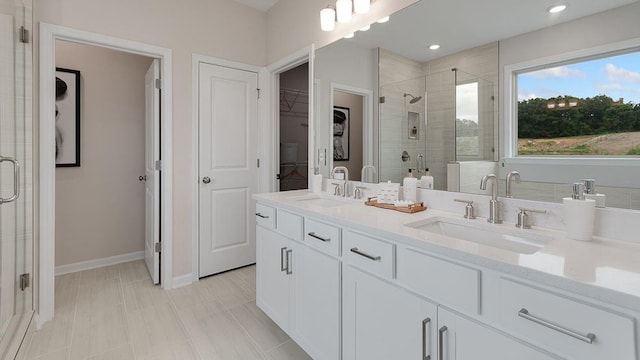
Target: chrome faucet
column 494, row 204
column 345, row 184
column 364, row 171
column 514, row 175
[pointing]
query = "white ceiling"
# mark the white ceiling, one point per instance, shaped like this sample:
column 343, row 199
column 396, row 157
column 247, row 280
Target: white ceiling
column 461, row 24
column 263, row 5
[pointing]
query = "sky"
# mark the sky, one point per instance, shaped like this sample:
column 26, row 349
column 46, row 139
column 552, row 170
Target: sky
column 616, row 77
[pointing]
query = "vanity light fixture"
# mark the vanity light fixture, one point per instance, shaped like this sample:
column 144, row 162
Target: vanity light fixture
column 556, row 8
column 361, row 6
column 344, row 8
column 366, row 28
column 434, row 47
column 328, row 19
column 349, row 36
column 384, row 20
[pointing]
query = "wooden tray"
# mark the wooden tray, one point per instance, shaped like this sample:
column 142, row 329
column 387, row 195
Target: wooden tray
column 413, row 208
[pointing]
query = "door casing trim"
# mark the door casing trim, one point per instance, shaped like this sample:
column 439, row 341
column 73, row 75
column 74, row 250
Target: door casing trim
column 49, row 33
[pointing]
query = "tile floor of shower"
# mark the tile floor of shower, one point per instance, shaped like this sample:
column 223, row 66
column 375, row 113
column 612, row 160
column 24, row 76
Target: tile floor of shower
column 116, row 313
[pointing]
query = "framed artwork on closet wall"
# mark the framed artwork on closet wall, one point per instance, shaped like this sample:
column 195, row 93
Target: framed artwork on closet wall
column 341, row 122
column 67, row 117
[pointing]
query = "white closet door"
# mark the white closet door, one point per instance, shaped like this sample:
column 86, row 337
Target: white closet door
column 228, row 103
column 152, row 176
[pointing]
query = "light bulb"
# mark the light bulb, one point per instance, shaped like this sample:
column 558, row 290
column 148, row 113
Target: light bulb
column 366, row 28
column 434, row 47
column 327, row 19
column 361, row 6
column 349, row 36
column 556, row 8
column 344, row 9
column 383, row 20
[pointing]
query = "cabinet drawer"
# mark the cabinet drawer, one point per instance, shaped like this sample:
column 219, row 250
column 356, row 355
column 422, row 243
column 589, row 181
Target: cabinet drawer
column 372, row 255
column 323, row 237
column 457, row 286
column 266, row 216
column 565, row 326
column 289, row 224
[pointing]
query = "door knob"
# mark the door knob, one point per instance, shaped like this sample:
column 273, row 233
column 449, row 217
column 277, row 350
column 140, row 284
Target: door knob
column 206, row 180
column 142, row 178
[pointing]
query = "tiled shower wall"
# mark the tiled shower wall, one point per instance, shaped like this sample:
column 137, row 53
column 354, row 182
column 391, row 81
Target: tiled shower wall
column 399, row 75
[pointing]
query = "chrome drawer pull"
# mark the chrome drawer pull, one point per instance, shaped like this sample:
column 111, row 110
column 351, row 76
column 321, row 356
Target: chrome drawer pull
column 425, row 323
column 441, row 342
column 262, row 216
column 283, row 267
column 313, row 235
column 289, row 255
column 589, row 338
column 370, row 257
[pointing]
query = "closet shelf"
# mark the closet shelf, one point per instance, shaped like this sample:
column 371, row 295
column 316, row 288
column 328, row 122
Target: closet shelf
column 292, row 97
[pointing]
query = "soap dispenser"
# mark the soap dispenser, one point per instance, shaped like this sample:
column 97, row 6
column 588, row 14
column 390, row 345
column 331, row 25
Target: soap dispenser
column 590, row 193
column 426, row 181
column 579, row 214
column 409, row 188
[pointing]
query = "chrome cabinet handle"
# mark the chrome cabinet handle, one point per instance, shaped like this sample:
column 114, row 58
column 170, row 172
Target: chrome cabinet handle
column 16, row 179
column 313, row 235
column 283, row 267
column 370, row 257
column 588, row 338
column 425, row 323
column 289, row 255
column 262, row 216
column 441, row 342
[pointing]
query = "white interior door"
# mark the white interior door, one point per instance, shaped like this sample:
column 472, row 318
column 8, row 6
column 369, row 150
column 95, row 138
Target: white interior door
column 227, row 105
column 152, row 176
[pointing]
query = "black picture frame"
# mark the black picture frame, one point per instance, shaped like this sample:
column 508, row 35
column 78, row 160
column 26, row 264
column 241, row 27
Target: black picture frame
column 68, row 92
column 341, row 132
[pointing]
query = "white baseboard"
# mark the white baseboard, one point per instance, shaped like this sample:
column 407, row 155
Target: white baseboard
column 98, row 263
column 182, row 280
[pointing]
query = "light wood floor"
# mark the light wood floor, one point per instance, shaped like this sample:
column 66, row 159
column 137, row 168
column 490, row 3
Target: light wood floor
column 116, row 313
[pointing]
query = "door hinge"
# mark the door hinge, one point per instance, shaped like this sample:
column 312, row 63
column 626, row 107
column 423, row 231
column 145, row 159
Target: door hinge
column 158, row 84
column 258, row 93
column 24, row 35
column 158, row 165
column 24, row 281
column 158, row 247
column 258, row 162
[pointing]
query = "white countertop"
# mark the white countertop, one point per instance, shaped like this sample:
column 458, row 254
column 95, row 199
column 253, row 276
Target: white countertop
column 604, row 269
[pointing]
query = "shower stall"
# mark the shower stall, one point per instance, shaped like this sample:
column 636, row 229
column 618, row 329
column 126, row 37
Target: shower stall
column 16, row 182
column 444, row 121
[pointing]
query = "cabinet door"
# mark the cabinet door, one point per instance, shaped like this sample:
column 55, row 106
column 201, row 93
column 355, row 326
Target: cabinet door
column 382, row 321
column 316, row 303
column 273, row 282
column 463, row 339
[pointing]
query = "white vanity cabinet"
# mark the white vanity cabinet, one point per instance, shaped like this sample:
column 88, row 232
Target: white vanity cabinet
column 352, row 294
column 382, row 321
column 298, row 287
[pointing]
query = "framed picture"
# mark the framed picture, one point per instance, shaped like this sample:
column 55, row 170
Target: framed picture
column 67, row 117
column 341, row 122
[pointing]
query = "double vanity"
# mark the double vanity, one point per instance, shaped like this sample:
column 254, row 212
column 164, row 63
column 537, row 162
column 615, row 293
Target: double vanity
column 349, row 281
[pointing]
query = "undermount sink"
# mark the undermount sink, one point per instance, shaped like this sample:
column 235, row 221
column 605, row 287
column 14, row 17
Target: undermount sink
column 515, row 240
column 319, row 200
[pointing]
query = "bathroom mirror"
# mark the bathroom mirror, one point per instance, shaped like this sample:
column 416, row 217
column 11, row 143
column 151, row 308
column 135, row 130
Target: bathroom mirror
column 441, row 108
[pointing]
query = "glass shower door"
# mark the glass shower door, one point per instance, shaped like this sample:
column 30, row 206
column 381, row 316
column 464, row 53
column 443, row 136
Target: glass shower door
column 16, row 210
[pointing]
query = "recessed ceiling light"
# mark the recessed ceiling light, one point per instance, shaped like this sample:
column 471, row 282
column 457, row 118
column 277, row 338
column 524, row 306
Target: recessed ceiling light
column 349, row 36
column 556, row 8
column 366, row 28
column 434, row 47
column 383, row 20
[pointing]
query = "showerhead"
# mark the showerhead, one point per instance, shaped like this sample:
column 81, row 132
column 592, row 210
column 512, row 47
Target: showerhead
column 414, row 99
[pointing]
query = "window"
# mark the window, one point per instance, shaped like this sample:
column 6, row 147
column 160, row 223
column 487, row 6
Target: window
column 585, row 108
column 467, row 120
